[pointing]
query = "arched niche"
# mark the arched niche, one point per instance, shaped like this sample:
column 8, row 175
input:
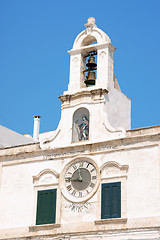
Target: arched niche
column 80, row 125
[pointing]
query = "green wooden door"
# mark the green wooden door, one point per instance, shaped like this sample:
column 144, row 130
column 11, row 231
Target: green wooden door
column 46, row 207
column 111, row 200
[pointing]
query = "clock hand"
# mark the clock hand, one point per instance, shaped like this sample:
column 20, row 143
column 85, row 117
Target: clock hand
column 72, row 179
column 80, row 175
column 85, row 181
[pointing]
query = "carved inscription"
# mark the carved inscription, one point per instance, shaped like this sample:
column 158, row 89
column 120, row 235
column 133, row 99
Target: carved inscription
column 49, row 156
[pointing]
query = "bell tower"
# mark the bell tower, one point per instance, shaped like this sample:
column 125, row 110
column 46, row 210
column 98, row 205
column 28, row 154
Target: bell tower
column 89, row 42
column 93, row 108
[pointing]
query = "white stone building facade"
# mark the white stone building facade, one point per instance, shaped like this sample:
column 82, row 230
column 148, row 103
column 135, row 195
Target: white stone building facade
column 94, row 177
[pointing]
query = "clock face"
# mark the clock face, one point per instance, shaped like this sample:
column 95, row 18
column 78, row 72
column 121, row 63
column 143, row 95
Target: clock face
column 81, row 179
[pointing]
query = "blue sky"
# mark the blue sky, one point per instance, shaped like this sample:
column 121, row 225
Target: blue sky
column 35, row 36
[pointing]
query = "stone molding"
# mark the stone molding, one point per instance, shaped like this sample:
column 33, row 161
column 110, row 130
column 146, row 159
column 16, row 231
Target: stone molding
column 86, row 49
column 117, row 230
column 22, row 155
column 48, row 175
column 111, row 129
column 111, row 220
column 94, row 95
column 44, row 227
column 48, row 140
column 122, row 168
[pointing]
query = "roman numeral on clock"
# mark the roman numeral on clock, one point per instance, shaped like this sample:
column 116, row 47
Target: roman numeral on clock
column 80, row 194
column 74, row 192
column 88, row 165
column 74, row 166
column 92, row 185
column 81, row 164
column 87, row 191
column 69, row 187
column 94, row 177
column 67, row 180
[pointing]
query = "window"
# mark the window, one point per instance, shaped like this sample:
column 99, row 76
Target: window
column 46, row 207
column 111, row 200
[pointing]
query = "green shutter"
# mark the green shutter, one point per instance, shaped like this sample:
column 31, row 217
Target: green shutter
column 46, row 207
column 116, row 200
column 111, row 200
column 106, row 201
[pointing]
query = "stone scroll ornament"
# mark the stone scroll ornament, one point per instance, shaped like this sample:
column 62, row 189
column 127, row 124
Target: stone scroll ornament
column 82, row 128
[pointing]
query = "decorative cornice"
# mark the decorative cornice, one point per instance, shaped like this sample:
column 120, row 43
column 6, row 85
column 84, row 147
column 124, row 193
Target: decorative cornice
column 110, row 146
column 95, row 94
column 149, row 136
column 93, row 47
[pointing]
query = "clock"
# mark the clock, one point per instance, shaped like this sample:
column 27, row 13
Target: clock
column 80, row 180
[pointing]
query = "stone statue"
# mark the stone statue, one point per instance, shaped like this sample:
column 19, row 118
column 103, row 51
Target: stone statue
column 82, row 129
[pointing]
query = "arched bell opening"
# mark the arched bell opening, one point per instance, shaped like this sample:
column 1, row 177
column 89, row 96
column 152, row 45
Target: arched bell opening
column 80, row 125
column 89, row 61
column 89, row 40
column 91, row 69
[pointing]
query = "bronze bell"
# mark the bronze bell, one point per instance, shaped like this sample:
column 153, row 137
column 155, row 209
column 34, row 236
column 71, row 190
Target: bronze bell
column 91, row 62
column 90, row 78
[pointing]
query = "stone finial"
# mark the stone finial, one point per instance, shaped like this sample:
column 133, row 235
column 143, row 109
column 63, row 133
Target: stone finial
column 90, row 23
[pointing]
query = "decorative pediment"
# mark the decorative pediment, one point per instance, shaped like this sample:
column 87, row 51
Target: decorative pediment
column 113, row 169
column 90, row 35
column 46, row 177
